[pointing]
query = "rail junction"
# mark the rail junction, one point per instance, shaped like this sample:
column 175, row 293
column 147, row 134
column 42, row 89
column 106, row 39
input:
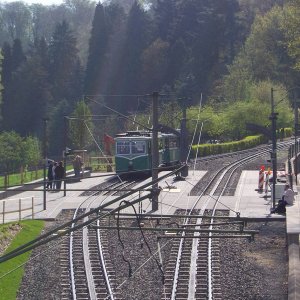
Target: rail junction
column 203, row 215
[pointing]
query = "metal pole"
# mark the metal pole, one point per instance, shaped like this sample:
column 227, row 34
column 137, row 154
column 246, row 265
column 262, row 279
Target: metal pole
column 45, row 163
column 64, row 154
column 296, row 131
column 274, row 154
column 155, row 150
column 183, row 142
column 183, row 136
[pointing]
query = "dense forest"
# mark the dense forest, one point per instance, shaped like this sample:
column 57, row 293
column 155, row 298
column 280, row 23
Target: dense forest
column 81, row 57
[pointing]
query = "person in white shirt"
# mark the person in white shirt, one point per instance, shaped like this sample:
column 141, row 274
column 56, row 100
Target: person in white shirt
column 288, row 195
column 287, row 199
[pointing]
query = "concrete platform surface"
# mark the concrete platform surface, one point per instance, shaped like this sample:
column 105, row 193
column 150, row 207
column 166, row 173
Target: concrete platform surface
column 174, row 194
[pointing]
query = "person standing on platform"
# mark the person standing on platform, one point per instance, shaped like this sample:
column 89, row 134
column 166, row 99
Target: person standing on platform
column 59, row 175
column 77, row 165
column 50, row 175
column 53, row 175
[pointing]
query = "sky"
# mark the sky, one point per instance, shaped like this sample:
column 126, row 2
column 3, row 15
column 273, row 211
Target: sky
column 45, row 2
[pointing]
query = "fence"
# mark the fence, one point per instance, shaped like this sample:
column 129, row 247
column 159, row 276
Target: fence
column 101, row 163
column 12, row 208
column 8, row 179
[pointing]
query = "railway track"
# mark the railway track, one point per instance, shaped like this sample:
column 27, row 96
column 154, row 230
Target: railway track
column 88, row 273
column 193, row 271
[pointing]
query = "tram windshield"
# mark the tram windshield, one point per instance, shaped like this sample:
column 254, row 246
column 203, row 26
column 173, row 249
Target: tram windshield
column 123, row 147
column 138, row 147
column 131, row 147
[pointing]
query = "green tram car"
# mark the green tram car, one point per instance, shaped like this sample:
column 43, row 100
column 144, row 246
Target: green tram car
column 134, row 151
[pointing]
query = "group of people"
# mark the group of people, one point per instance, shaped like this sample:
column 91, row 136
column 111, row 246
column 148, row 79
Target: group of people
column 287, row 199
column 56, row 173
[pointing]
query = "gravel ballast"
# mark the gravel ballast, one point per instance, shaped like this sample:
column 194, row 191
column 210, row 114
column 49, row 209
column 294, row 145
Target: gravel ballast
column 256, row 270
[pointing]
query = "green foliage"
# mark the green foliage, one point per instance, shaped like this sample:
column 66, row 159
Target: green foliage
column 228, row 121
column 16, row 151
column 10, row 150
column 10, row 283
column 291, row 28
column 32, row 153
column 81, row 127
column 269, row 51
column 211, row 149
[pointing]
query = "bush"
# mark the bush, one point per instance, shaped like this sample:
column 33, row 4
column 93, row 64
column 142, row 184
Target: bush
column 212, row 149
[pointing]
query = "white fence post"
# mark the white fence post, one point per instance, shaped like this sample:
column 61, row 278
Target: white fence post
column 20, row 213
column 3, row 211
column 32, row 204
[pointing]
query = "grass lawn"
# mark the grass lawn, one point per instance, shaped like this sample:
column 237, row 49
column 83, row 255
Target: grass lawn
column 9, row 284
column 16, row 178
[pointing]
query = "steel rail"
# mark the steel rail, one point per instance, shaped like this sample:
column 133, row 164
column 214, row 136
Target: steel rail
column 193, row 269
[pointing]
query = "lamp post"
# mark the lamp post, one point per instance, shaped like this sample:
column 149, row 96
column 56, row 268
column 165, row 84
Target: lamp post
column 45, row 154
column 296, row 133
column 155, row 154
column 273, row 118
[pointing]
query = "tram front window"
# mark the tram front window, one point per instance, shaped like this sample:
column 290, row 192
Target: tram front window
column 123, row 148
column 138, row 147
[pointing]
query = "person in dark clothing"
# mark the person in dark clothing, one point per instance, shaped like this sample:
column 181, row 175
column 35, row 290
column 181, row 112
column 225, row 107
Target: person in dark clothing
column 50, row 175
column 59, row 174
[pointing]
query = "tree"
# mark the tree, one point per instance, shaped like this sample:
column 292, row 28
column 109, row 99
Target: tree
column 10, row 151
column 136, row 40
column 14, row 59
column 63, row 63
column 57, row 128
column 154, row 61
column 97, row 50
column 80, row 126
column 32, row 99
column 16, row 21
column 32, row 153
column 290, row 24
column 18, row 56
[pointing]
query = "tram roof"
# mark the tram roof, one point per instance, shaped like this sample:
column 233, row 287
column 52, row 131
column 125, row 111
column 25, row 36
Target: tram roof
column 141, row 134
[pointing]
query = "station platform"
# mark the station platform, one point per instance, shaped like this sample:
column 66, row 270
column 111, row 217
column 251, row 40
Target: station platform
column 174, row 195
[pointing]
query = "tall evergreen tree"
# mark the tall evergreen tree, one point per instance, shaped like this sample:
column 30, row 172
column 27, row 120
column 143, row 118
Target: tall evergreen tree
column 13, row 63
column 63, row 57
column 165, row 16
column 18, row 56
column 32, row 97
column 6, row 75
column 136, row 40
column 97, row 50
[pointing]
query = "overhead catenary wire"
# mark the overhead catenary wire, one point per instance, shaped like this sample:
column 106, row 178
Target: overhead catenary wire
column 144, row 238
column 95, row 210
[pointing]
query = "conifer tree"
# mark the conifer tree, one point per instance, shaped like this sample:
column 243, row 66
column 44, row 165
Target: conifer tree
column 63, row 60
column 97, row 50
column 6, row 75
column 13, row 63
column 136, row 40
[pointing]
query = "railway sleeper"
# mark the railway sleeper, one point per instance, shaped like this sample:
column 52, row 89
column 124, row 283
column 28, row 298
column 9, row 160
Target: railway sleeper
column 202, row 278
column 181, row 294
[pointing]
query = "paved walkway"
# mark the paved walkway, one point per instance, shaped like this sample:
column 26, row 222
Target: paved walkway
column 175, row 194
